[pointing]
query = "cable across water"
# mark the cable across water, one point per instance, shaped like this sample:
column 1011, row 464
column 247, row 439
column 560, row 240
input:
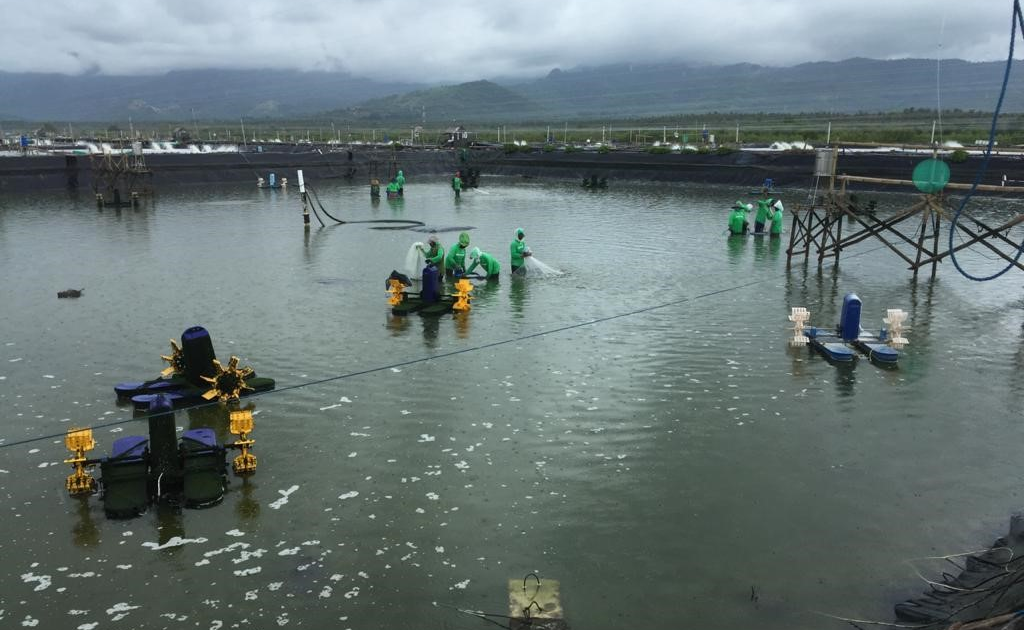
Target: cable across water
column 415, row 361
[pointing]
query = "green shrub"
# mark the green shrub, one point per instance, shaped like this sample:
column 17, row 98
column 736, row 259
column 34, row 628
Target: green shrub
column 548, row 148
column 724, row 150
column 958, row 156
column 570, row 148
column 662, row 150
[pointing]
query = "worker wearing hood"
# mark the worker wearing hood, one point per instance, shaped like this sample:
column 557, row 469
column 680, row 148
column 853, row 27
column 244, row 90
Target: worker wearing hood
column 738, row 223
column 434, row 254
column 776, row 217
column 400, row 180
column 488, row 263
column 456, row 261
column 457, row 183
column 518, row 249
column 764, row 212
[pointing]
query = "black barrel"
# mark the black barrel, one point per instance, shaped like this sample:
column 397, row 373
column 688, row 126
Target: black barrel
column 198, row 349
column 163, row 444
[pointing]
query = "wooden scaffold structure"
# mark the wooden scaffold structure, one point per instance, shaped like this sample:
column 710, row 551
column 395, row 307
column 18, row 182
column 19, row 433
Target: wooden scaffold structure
column 121, row 178
column 819, row 225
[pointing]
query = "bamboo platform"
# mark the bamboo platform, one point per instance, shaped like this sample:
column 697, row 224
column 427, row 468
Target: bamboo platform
column 819, row 227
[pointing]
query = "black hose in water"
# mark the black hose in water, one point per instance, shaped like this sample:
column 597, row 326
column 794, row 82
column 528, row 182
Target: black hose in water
column 405, row 223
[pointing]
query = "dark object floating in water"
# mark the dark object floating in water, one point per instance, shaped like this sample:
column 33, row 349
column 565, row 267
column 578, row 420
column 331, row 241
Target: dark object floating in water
column 443, row 228
column 594, row 182
column 989, row 584
column 70, row 293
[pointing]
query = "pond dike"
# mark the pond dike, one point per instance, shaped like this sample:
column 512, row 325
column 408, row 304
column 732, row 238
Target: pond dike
column 359, row 164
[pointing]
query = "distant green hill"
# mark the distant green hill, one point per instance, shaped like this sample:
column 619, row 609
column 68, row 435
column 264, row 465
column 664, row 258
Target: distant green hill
column 618, row 91
column 181, row 95
column 474, row 101
column 853, row 85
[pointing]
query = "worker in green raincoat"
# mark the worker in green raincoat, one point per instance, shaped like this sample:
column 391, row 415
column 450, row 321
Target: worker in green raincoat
column 392, row 187
column 434, row 254
column 456, row 260
column 457, row 183
column 400, row 180
column 764, row 211
column 485, row 261
column 518, row 249
column 776, row 218
column 738, row 223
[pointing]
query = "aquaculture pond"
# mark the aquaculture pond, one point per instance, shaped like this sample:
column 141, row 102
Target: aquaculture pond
column 636, row 428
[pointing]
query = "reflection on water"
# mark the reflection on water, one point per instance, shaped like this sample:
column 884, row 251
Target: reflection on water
column 247, row 506
column 84, row 532
column 688, row 440
column 170, row 524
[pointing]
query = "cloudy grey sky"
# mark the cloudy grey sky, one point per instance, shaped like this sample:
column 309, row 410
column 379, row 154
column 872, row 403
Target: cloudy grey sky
column 464, row 40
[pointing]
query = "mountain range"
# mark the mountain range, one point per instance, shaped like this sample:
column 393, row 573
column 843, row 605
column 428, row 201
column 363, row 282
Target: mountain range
column 617, row 92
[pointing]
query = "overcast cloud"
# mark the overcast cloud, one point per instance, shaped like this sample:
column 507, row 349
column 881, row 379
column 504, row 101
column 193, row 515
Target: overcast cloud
column 462, row 40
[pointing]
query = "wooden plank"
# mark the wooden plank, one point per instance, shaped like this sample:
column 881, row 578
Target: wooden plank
column 907, row 182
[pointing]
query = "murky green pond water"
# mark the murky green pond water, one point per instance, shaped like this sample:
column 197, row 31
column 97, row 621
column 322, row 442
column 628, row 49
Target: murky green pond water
column 661, row 465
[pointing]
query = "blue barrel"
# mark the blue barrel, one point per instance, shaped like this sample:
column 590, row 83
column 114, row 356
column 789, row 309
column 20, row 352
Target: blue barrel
column 431, row 284
column 273, row 180
column 849, row 320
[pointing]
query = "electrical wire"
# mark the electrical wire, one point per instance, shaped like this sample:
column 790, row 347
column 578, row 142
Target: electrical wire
column 443, row 355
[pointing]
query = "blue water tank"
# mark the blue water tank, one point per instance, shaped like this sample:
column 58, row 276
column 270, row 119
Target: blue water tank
column 431, row 284
column 849, row 320
column 273, row 180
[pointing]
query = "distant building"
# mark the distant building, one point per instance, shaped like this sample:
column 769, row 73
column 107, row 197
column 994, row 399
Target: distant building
column 456, row 137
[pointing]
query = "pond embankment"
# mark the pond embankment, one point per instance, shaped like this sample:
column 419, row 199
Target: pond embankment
column 359, row 163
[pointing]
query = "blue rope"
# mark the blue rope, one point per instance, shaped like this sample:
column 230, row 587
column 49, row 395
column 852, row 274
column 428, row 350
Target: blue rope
column 1017, row 18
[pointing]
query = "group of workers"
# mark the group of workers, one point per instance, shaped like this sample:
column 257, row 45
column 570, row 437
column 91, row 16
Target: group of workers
column 454, row 264
column 769, row 210
column 396, row 187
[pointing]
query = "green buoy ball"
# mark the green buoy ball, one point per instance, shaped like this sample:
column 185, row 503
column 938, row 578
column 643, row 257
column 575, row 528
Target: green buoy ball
column 931, row 176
